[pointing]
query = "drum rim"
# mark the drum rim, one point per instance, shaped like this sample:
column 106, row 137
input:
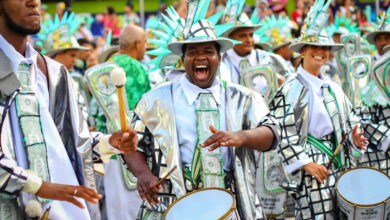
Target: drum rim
column 231, row 209
column 357, row 204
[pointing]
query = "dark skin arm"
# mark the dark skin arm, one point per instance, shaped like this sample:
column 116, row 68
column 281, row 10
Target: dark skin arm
column 146, row 184
column 260, row 138
column 68, row 193
column 127, row 143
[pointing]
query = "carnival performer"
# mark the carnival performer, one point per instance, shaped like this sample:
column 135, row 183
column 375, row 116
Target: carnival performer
column 314, row 120
column 120, row 190
column 375, row 109
column 242, row 31
column 173, row 119
column 46, row 152
column 381, row 36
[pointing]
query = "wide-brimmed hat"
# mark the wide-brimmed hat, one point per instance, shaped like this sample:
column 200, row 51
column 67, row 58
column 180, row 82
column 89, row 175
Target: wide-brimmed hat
column 315, row 40
column 58, row 36
column 313, row 32
column 107, row 53
column 201, row 32
column 243, row 21
column 383, row 30
column 59, row 47
column 233, row 15
column 382, row 27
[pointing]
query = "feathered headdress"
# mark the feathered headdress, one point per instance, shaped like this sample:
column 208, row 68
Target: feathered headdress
column 57, row 36
column 275, row 31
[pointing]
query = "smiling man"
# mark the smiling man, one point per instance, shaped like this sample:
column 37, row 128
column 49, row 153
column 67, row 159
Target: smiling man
column 175, row 118
column 381, row 36
column 243, row 31
column 45, row 150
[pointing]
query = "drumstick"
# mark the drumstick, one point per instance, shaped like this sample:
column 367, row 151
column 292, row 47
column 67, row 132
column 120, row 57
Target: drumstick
column 336, row 151
column 165, row 177
column 118, row 78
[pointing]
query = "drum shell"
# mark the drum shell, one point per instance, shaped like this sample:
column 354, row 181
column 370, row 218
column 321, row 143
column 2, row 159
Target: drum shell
column 350, row 211
column 230, row 214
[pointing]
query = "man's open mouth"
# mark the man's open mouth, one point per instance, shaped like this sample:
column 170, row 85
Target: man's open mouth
column 201, row 71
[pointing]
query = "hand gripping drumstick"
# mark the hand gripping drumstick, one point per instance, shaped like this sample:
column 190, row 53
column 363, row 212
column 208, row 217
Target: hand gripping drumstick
column 336, row 151
column 118, row 78
column 165, row 177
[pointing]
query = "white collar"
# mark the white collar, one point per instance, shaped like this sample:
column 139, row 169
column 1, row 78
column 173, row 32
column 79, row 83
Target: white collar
column 192, row 91
column 15, row 57
column 235, row 58
column 315, row 83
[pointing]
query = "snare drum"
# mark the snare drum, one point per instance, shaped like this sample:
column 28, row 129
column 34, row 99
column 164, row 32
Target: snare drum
column 205, row 204
column 363, row 193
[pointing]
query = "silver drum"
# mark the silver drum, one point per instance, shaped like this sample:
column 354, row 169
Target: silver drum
column 363, row 193
column 204, row 204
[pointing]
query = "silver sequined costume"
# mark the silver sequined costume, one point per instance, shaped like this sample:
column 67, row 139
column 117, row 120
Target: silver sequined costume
column 291, row 107
column 155, row 123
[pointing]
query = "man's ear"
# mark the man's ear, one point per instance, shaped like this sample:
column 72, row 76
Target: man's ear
column 137, row 44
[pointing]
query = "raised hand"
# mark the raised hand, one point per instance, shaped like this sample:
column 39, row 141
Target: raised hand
column 68, row 193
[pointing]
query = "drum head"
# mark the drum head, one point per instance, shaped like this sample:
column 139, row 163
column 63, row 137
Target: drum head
column 364, row 186
column 207, row 204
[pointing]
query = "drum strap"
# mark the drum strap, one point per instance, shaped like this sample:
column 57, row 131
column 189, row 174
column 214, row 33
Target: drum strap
column 206, row 165
column 325, row 149
column 28, row 113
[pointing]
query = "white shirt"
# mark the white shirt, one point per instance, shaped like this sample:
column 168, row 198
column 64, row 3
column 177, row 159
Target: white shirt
column 320, row 123
column 236, row 59
column 185, row 95
column 60, row 168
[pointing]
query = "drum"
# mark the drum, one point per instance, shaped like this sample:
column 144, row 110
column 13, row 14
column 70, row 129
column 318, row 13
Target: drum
column 205, row 204
column 363, row 193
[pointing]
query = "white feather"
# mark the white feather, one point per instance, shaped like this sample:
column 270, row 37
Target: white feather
column 118, row 76
column 33, row 209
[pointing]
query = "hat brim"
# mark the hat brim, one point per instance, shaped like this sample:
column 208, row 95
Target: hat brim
column 104, row 56
column 234, row 28
column 52, row 53
column 371, row 36
column 177, row 47
column 263, row 46
column 296, row 47
column 281, row 45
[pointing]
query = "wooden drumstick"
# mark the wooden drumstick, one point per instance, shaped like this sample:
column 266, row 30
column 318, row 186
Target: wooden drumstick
column 118, row 78
column 165, row 177
column 336, row 151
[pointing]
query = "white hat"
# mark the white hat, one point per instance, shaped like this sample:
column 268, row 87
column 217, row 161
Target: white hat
column 313, row 32
column 201, row 32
